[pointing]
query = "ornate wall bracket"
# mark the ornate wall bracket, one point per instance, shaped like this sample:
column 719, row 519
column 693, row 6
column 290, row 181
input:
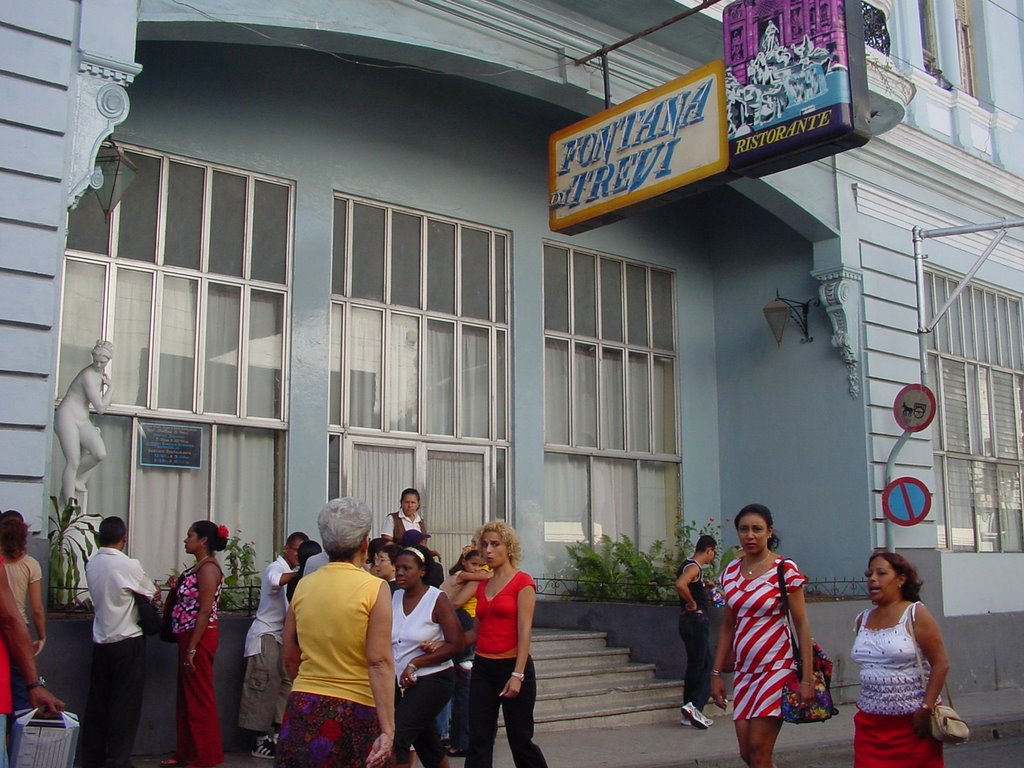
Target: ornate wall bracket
column 840, row 298
column 101, row 104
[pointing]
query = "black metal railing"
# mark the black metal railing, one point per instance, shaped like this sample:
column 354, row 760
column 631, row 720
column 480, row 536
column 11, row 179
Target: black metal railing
column 876, row 33
column 242, row 600
column 567, row 588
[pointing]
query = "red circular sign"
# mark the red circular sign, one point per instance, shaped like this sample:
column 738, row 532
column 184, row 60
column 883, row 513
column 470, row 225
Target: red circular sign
column 914, row 407
column 906, row 501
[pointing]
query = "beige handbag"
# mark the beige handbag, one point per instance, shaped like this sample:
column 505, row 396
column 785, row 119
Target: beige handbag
column 947, row 726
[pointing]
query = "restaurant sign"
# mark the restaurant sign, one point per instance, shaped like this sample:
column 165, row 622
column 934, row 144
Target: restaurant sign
column 796, row 82
column 643, row 152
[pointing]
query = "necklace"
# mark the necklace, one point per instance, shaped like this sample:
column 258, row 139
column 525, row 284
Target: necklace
column 749, row 570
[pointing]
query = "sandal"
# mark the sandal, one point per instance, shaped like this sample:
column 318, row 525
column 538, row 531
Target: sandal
column 172, row 762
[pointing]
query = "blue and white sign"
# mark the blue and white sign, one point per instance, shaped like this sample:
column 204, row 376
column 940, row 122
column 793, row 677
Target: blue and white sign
column 906, row 501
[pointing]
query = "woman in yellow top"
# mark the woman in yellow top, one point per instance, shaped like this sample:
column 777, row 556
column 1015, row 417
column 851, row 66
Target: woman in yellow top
column 337, row 649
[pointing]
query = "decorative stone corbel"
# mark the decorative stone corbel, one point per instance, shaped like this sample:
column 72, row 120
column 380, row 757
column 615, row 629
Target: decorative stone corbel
column 101, row 104
column 840, row 298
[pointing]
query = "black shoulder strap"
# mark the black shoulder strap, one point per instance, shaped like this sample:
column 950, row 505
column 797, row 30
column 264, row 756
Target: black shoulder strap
column 784, row 596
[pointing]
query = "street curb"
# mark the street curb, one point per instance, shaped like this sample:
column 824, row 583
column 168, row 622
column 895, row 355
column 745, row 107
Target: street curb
column 808, row 756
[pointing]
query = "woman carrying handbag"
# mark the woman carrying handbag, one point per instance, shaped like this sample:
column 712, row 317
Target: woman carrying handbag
column 898, row 691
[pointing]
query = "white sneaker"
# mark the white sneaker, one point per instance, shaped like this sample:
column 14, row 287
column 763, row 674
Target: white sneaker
column 697, row 718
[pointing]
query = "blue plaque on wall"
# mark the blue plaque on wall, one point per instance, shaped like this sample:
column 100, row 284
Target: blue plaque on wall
column 171, row 446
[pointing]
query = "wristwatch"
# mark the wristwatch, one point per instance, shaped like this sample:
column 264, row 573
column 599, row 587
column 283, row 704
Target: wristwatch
column 39, row 682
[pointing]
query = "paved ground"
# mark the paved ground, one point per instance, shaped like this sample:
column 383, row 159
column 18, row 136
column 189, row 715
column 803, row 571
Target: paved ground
column 996, row 718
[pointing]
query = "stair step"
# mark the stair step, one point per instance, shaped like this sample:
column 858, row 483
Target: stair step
column 662, row 711
column 567, row 641
column 597, row 657
column 578, row 679
column 573, row 703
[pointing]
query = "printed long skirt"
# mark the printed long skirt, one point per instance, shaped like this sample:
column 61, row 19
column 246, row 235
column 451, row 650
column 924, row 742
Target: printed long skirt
column 325, row 732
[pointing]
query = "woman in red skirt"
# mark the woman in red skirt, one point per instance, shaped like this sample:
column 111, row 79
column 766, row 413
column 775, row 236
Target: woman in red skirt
column 893, row 720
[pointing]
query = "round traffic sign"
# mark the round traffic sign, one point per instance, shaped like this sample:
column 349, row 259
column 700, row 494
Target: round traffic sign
column 914, row 407
column 906, row 501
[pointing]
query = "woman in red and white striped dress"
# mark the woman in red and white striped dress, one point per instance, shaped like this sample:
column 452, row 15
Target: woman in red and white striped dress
column 755, row 634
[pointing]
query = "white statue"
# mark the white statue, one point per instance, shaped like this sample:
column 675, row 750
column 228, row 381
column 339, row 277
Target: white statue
column 78, row 435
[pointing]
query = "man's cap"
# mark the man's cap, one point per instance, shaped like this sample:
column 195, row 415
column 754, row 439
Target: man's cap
column 413, row 537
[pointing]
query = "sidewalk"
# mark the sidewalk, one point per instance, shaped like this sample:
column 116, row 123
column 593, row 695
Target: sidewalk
column 670, row 745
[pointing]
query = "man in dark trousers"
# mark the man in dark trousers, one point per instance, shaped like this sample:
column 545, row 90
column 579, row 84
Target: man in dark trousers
column 118, row 674
column 694, row 630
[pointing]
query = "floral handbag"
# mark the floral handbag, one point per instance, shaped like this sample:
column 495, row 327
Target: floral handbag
column 822, row 708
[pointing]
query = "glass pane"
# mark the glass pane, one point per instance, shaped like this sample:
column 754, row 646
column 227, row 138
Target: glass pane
column 177, row 344
column 458, row 500
column 567, row 499
column 246, row 486
column 1004, row 415
column 337, row 334
column 954, row 400
column 167, row 502
column 500, row 386
column 939, row 505
column 368, row 252
column 378, row 473
column 364, row 369
column 556, row 288
column 1011, row 523
column 334, row 467
column 1015, row 349
column 88, row 229
column 992, row 319
column 556, row 391
column 223, row 320
column 136, row 238
column 970, row 334
column 405, row 260
column 404, row 374
column 611, row 300
column 132, row 313
column 956, row 327
column 986, row 506
column 929, row 305
column 439, row 407
column 584, row 395
column 657, row 501
column 475, row 279
column 662, row 316
column 960, row 506
column 474, row 393
column 500, row 248
column 941, row 331
column 269, row 233
column 183, row 238
column 613, row 401
column 500, row 485
column 982, row 401
column 227, row 224
column 266, row 353
column 664, row 405
column 636, row 304
column 440, row 267
column 639, row 411
column 339, row 245
column 584, row 284
column 82, row 325
column 981, row 336
column 614, row 499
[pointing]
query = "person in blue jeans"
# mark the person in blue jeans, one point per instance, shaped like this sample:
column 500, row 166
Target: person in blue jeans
column 694, row 631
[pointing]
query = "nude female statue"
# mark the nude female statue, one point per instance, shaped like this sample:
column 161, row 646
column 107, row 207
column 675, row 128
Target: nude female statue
column 78, row 435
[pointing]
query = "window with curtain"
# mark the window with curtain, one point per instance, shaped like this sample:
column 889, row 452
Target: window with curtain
column 419, row 335
column 609, row 399
column 975, row 359
column 189, row 280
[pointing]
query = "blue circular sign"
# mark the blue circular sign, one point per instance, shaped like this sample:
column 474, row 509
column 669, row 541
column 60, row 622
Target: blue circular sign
column 906, row 501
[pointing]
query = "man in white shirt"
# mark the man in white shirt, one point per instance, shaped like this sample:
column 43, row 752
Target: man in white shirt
column 118, row 674
column 266, row 686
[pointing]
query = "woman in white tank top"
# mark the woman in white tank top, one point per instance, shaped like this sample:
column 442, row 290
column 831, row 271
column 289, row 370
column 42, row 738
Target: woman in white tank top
column 894, row 708
column 425, row 634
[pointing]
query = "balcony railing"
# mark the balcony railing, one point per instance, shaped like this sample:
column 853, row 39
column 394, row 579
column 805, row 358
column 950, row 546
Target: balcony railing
column 876, row 33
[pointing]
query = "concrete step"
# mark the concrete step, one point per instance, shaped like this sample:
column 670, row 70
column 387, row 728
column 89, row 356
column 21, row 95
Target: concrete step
column 593, row 677
column 562, row 641
column 546, row 661
column 644, row 713
column 597, row 699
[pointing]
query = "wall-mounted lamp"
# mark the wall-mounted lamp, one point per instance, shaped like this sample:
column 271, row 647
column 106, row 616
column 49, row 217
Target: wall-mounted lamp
column 117, row 171
column 779, row 310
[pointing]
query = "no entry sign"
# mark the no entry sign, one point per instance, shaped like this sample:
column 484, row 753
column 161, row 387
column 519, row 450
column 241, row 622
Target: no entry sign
column 914, row 407
column 906, row 501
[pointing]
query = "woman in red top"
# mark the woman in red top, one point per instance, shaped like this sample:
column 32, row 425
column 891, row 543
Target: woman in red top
column 503, row 673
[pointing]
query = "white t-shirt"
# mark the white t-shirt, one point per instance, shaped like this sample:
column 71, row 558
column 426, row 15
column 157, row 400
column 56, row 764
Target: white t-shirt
column 273, row 606
column 113, row 577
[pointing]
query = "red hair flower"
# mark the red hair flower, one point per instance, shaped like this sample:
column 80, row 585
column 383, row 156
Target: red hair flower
column 223, row 532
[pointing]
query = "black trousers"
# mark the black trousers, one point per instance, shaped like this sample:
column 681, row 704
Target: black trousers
column 116, row 683
column 694, row 631
column 415, row 713
column 488, row 680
